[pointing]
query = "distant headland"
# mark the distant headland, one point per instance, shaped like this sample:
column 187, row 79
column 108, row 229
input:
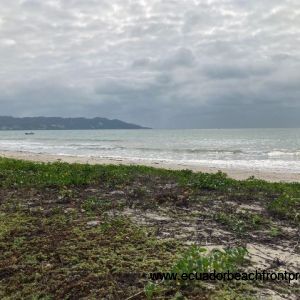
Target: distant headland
column 58, row 123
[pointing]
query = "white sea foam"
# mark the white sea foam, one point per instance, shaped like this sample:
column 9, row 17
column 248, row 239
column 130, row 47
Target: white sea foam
column 281, row 153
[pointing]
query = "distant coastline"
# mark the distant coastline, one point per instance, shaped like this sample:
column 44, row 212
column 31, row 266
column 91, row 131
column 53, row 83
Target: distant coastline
column 59, row 123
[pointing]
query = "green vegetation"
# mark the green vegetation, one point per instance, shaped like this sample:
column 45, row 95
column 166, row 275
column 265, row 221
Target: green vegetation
column 196, row 260
column 286, row 206
column 70, row 231
column 241, row 223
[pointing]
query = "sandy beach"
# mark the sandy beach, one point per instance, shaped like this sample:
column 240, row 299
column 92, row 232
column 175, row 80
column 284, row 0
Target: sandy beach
column 239, row 174
column 76, row 224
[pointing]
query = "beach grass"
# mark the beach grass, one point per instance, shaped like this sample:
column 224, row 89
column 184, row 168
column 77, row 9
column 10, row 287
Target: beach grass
column 71, row 231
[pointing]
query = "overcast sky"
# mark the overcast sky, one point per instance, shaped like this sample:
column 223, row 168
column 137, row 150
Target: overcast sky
column 159, row 63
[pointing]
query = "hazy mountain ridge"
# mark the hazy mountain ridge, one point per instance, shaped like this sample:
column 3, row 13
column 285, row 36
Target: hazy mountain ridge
column 58, row 123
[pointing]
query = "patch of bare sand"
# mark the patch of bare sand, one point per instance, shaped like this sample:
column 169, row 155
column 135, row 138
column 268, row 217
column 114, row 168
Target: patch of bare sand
column 274, row 257
column 185, row 227
column 252, row 207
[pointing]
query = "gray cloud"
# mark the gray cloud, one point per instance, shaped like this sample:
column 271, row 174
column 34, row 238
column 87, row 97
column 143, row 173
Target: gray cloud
column 161, row 63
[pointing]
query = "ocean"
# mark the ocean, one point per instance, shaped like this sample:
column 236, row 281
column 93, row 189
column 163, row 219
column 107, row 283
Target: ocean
column 253, row 149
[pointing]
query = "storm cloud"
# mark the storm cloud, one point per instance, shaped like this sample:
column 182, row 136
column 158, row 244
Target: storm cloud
column 158, row 63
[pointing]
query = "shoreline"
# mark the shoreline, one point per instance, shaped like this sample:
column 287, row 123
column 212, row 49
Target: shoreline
column 239, row 174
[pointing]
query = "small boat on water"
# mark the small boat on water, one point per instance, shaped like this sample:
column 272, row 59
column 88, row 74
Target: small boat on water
column 29, row 133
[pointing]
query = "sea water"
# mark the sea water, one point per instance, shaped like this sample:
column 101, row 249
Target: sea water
column 255, row 149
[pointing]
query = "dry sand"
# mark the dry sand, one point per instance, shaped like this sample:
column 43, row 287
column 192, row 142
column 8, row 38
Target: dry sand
column 234, row 173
